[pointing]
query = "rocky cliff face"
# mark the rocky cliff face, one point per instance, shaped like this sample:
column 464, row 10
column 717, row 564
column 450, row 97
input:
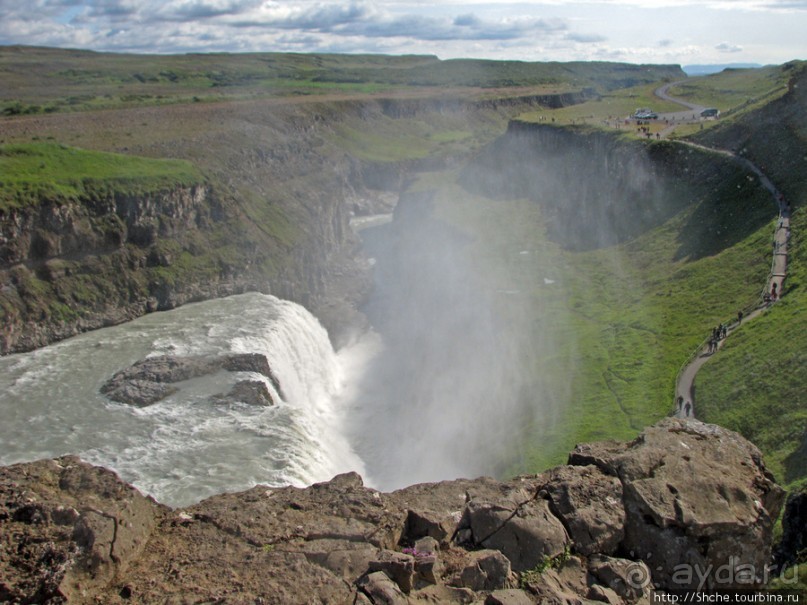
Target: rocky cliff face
column 276, row 218
column 685, row 505
column 73, row 229
column 70, row 266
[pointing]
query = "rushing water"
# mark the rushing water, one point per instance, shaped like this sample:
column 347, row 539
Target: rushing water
column 436, row 391
column 187, row 446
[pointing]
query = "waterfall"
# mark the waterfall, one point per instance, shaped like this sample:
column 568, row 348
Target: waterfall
column 187, row 446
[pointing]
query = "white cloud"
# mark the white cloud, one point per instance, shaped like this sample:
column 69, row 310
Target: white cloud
column 658, row 31
column 725, row 47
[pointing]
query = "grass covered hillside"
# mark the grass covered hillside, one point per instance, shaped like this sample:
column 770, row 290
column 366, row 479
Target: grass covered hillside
column 756, row 385
column 611, row 259
column 735, row 91
column 283, row 130
column 33, row 172
column 603, row 306
column 41, row 80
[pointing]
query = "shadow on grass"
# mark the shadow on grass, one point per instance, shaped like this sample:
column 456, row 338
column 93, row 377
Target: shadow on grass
column 598, row 190
column 723, row 219
column 796, row 463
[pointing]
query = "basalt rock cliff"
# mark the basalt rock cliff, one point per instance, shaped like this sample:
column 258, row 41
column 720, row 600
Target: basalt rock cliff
column 70, row 266
column 684, row 505
column 271, row 213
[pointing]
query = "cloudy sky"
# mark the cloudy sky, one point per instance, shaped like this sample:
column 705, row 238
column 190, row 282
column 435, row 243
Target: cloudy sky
column 636, row 31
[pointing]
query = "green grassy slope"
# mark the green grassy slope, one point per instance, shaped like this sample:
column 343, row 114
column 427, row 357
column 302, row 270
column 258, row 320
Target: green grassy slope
column 734, row 91
column 33, row 172
column 756, row 384
column 41, row 80
column 84, row 259
column 644, row 308
column 604, row 331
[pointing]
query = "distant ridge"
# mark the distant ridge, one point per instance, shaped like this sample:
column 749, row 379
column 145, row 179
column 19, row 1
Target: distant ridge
column 702, row 70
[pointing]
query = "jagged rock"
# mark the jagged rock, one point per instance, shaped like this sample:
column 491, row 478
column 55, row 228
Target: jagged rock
column 342, row 558
column 251, row 392
column 484, row 570
column 449, row 595
column 79, row 524
column 168, row 369
column 603, row 594
column 523, row 529
column 149, row 380
column 399, row 567
column 510, row 596
column 139, row 392
column 551, row 590
column 697, row 498
column 564, row 581
column 77, row 533
column 435, row 509
column 428, row 569
column 428, row 566
column 381, row 589
column 252, row 362
column 629, row 579
column 589, row 503
column 427, row 546
column 338, row 510
column 362, row 599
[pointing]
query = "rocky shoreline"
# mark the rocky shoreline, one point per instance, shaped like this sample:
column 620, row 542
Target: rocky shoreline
column 665, row 511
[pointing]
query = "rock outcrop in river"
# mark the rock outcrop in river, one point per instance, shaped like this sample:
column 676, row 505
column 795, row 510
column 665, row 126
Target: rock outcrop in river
column 152, row 379
column 684, row 505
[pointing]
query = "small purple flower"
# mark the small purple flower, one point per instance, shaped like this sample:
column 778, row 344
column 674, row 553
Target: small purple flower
column 418, row 554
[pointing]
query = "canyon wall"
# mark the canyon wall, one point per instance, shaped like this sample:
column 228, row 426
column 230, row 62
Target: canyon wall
column 273, row 214
column 72, row 265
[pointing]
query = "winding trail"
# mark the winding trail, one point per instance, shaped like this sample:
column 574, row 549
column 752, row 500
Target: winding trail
column 692, row 111
column 684, row 399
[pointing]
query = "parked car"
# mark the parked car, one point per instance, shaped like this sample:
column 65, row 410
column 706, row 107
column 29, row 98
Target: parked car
column 645, row 114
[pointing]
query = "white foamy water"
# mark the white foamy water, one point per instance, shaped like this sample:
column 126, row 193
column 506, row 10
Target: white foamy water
column 187, row 446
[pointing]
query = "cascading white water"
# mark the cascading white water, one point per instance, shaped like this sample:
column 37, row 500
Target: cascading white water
column 187, row 446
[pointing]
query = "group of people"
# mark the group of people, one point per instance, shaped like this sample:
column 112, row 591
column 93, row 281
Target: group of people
column 684, row 408
column 646, row 131
column 718, row 334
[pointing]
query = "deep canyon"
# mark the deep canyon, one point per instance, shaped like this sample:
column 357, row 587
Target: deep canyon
column 488, row 327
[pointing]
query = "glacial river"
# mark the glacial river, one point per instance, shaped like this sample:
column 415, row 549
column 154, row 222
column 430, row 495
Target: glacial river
column 188, row 446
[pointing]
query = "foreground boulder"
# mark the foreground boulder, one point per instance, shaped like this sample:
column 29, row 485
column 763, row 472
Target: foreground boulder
column 68, row 529
column 619, row 520
column 697, row 498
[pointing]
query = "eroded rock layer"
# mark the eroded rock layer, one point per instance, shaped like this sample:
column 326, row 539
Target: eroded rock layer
column 666, row 511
